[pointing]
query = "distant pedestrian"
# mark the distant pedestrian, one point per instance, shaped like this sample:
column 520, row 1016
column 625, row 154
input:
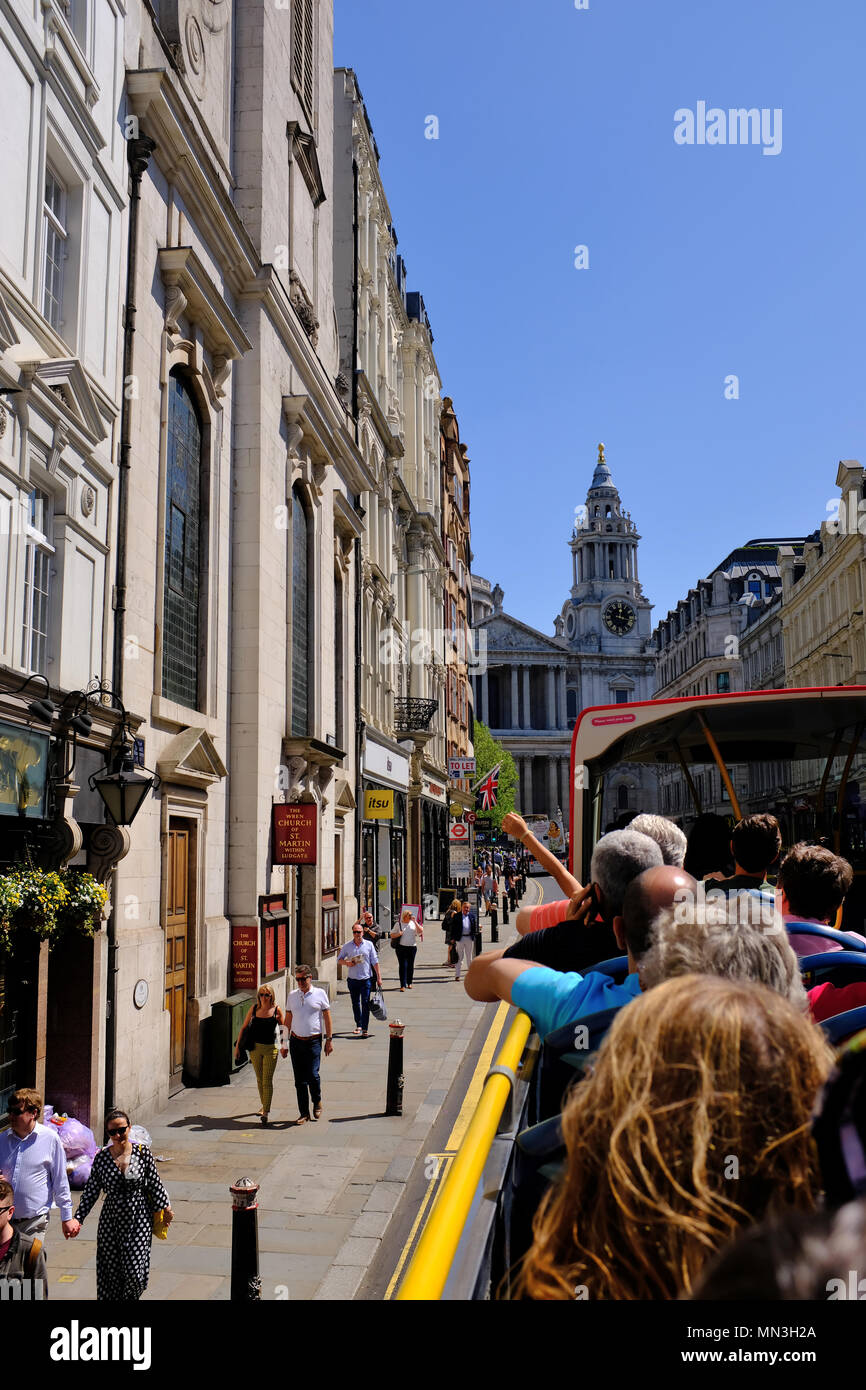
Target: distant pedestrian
column 447, row 921
column 126, row 1173
column 407, row 936
column 21, row 1257
column 33, row 1160
column 308, row 1019
column 363, row 963
column 263, row 1019
column 490, row 889
column 462, row 936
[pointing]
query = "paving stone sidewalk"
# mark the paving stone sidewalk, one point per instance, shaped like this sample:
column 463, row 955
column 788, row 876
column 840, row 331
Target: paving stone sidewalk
column 328, row 1189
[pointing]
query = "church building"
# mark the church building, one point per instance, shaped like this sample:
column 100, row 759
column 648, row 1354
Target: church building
column 601, row 653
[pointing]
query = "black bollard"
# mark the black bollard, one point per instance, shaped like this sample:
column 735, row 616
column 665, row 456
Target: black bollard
column 246, row 1285
column 513, row 896
column 394, row 1092
column 505, row 909
column 494, row 921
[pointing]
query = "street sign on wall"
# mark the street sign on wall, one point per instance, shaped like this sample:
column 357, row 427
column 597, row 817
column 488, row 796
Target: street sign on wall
column 459, row 861
column 459, row 833
column 378, row 805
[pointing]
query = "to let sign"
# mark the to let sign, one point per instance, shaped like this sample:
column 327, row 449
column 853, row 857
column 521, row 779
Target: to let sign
column 245, row 958
column 295, row 837
column 460, row 767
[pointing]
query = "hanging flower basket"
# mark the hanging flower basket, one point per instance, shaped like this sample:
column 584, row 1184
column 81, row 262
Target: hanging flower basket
column 48, row 902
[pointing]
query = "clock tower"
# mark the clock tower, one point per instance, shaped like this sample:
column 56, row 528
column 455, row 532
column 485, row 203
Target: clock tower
column 606, row 621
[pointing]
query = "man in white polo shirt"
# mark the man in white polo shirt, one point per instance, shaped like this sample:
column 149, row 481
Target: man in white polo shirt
column 308, row 1018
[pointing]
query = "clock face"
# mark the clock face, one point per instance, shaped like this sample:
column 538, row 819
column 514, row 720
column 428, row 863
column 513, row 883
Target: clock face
column 619, row 617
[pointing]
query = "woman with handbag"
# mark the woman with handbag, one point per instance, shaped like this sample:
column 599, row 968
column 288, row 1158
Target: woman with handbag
column 258, row 1037
column 134, row 1198
column 447, row 922
column 406, row 937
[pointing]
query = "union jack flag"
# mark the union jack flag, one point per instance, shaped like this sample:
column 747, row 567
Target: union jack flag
column 486, row 790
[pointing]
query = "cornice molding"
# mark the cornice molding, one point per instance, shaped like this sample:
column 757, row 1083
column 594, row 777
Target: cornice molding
column 190, row 290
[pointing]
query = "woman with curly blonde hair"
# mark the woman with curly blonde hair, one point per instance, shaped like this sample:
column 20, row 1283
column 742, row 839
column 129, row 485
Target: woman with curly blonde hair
column 693, row 1125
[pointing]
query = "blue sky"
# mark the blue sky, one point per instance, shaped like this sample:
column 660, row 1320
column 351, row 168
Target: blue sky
column 556, row 129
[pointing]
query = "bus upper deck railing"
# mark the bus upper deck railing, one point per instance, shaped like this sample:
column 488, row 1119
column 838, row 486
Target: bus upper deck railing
column 431, row 1263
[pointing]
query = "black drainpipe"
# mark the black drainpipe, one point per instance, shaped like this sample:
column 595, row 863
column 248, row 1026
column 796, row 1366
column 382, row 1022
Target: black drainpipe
column 359, row 723
column 138, row 153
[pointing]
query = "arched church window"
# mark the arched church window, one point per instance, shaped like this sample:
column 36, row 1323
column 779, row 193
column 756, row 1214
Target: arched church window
column 180, row 633
column 622, row 798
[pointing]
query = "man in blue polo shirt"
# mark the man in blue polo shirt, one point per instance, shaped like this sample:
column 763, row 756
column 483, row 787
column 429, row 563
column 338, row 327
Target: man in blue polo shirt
column 553, row 997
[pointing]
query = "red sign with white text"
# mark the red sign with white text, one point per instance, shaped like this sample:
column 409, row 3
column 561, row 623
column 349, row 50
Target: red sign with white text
column 245, row 958
column 295, row 833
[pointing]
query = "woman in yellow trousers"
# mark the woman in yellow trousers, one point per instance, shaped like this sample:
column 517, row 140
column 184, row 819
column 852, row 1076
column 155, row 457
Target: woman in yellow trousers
column 263, row 1019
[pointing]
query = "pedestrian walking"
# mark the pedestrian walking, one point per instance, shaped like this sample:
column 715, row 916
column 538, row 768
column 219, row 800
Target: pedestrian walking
column 263, row 1020
column 21, row 1257
column 308, row 1020
column 33, row 1160
column 370, row 927
column 490, row 889
column 447, row 921
column 462, row 936
column 407, row 937
column 134, row 1193
column 363, row 963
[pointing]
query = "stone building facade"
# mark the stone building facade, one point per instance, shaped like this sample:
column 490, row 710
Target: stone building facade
column 390, row 375
column 460, row 656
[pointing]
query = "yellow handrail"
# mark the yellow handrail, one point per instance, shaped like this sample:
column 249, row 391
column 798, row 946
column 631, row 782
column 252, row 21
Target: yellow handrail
column 428, row 1271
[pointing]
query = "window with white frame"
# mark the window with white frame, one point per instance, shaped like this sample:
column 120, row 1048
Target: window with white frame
column 55, row 252
column 37, row 584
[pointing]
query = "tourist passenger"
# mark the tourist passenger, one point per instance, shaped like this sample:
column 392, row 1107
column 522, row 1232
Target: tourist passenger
column 692, row 1124
column 709, row 848
column 618, row 858
column 684, row 942
column 813, row 884
column 553, row 998
column 127, row 1174
column 667, row 835
column 755, row 845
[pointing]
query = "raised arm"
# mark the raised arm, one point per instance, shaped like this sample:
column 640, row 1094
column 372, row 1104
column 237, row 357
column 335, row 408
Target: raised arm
column 490, row 977
column 515, row 825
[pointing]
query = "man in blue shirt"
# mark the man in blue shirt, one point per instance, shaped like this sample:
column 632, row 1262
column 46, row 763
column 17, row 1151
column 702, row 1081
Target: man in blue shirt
column 553, row 997
column 363, row 963
column 33, row 1160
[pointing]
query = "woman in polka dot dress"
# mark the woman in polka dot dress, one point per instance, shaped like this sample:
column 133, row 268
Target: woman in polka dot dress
column 127, row 1174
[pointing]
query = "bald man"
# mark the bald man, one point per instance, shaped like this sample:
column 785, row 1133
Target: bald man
column 554, row 997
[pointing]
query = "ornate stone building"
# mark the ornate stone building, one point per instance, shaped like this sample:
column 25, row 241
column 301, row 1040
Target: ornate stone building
column 600, row 654
column 459, row 655
column 392, row 382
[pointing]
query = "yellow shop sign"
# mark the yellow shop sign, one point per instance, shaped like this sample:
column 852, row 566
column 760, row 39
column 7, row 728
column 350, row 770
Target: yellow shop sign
column 378, row 805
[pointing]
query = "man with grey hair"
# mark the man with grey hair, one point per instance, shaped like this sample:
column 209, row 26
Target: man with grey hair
column 617, row 859
column 668, row 836
column 686, row 941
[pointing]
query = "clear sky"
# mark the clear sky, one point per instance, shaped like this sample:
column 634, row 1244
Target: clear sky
column 556, row 130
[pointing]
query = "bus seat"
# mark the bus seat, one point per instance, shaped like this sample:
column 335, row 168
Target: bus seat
column 561, row 1061
column 837, row 967
column 843, row 1026
column 539, row 1159
column 847, row 943
column 616, row 967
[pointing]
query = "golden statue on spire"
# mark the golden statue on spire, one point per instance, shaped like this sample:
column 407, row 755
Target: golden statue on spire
column 601, row 453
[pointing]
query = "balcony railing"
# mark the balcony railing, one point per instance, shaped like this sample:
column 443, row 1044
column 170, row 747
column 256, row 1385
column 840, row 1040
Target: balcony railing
column 413, row 715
